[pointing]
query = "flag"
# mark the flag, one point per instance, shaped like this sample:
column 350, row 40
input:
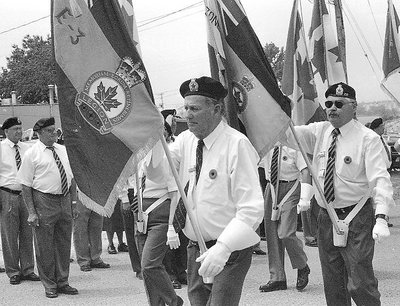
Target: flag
column 391, row 63
column 297, row 80
column 324, row 50
column 130, row 21
column 106, row 106
column 238, row 60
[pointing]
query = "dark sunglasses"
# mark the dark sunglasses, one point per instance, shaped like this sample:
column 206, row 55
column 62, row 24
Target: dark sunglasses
column 338, row 104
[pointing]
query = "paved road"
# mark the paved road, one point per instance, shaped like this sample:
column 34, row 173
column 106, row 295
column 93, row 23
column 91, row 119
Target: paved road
column 118, row 285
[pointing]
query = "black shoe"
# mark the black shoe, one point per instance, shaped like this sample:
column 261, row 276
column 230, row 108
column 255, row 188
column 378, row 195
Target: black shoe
column 30, row 277
column 273, row 286
column 100, row 265
column 67, row 289
column 302, row 277
column 122, row 247
column 86, row 268
column 15, row 280
column 258, row 251
column 312, row 243
column 51, row 293
column 111, row 249
column 2, row 270
column 176, row 284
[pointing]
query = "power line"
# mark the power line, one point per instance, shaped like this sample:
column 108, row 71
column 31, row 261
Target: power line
column 25, row 24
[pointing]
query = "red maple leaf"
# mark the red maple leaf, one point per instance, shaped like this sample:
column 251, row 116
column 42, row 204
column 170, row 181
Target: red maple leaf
column 105, row 97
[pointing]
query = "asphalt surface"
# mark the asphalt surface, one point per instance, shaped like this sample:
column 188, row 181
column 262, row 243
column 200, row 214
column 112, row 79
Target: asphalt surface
column 119, row 286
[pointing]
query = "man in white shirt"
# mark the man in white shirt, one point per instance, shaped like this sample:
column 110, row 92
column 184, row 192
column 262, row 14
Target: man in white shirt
column 49, row 191
column 348, row 163
column 16, row 234
column 220, row 166
column 280, row 218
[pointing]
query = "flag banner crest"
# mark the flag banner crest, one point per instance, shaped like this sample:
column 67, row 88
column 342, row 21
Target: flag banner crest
column 297, row 80
column 106, row 106
column 255, row 103
column 391, row 62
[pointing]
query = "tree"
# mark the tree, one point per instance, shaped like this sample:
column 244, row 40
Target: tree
column 30, row 69
column 275, row 57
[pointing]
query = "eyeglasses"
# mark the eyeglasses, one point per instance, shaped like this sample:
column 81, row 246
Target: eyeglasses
column 338, row 104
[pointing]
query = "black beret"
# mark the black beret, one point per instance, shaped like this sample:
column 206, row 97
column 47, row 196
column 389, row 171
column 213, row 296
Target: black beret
column 168, row 112
column 42, row 123
column 341, row 90
column 375, row 123
column 10, row 122
column 203, row 86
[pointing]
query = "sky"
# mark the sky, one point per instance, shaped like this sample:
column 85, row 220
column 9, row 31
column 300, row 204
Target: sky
column 174, row 49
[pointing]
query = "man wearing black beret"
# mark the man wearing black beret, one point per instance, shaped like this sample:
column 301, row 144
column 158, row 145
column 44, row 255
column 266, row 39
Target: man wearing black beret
column 378, row 127
column 49, row 191
column 349, row 165
column 16, row 234
column 218, row 165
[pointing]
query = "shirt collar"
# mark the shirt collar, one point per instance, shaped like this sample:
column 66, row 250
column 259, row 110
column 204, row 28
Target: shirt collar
column 210, row 139
column 345, row 129
column 10, row 143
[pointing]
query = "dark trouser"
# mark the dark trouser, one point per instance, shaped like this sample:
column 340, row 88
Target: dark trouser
column 227, row 286
column 347, row 271
column 176, row 260
column 152, row 246
column 87, row 235
column 281, row 234
column 129, row 227
column 16, row 235
column 53, row 238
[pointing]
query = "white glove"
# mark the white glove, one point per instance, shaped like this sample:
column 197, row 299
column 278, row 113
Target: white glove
column 306, row 194
column 380, row 230
column 172, row 238
column 213, row 260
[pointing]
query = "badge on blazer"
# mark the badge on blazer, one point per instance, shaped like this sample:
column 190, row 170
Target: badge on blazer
column 212, row 174
column 347, row 160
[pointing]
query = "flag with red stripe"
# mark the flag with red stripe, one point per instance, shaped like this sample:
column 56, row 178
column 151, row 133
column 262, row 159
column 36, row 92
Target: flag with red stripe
column 237, row 58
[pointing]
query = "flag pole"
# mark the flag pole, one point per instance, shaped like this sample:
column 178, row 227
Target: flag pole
column 193, row 221
column 329, row 208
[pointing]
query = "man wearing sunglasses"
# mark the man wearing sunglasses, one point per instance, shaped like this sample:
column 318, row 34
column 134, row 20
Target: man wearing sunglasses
column 348, row 164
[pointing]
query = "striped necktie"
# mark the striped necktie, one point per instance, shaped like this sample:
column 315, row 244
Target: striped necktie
column 17, row 156
column 329, row 189
column 135, row 202
column 180, row 213
column 64, row 182
column 275, row 166
column 386, row 149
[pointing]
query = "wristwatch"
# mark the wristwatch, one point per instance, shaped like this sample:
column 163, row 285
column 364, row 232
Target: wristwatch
column 382, row 216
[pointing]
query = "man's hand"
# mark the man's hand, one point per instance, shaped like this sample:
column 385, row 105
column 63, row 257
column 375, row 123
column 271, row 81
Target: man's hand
column 214, row 260
column 33, row 219
column 172, row 238
column 380, row 230
column 303, row 205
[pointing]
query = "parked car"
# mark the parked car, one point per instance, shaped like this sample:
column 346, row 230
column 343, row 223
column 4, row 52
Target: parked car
column 390, row 140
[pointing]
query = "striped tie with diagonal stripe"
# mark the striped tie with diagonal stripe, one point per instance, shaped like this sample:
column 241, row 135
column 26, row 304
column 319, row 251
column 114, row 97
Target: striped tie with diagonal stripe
column 329, row 189
column 17, row 157
column 64, row 182
column 274, row 166
column 134, row 204
column 180, row 213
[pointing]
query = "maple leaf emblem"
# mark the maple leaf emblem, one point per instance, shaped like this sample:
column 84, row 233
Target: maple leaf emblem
column 105, row 97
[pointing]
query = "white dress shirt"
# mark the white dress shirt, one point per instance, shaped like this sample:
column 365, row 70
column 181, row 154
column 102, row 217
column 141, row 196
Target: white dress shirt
column 39, row 169
column 292, row 162
column 359, row 162
column 228, row 185
column 8, row 167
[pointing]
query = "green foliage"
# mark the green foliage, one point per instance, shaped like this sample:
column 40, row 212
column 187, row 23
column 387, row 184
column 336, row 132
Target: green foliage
column 30, row 69
column 275, row 57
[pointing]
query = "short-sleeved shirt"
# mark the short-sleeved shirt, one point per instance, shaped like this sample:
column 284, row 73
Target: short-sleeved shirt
column 39, row 169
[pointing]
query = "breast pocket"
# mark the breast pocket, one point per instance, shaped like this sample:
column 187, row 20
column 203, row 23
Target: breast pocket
column 347, row 166
column 216, row 184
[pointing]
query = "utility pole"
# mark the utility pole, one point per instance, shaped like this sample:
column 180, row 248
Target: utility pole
column 162, row 100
